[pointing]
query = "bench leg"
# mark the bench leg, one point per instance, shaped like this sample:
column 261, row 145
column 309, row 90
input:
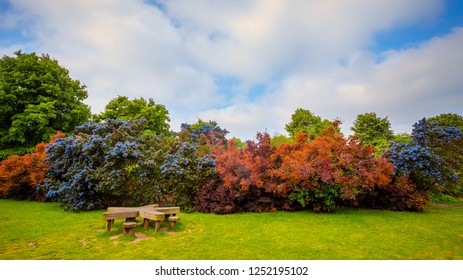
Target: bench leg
column 109, row 223
column 157, row 226
column 172, row 225
column 129, row 231
column 146, row 223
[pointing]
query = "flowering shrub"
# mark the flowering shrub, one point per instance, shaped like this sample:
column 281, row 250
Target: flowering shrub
column 101, row 165
column 185, row 170
column 431, row 158
column 19, row 175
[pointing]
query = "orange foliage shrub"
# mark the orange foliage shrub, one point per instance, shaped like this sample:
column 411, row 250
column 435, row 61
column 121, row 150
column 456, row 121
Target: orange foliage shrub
column 19, row 175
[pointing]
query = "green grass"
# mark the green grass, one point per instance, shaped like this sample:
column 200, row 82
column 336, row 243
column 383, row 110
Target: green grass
column 33, row 230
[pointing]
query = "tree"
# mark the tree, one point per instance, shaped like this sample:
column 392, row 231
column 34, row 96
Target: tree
column 210, row 130
column 38, row 98
column 305, row 121
column 279, row 139
column 448, row 120
column 373, row 130
column 156, row 115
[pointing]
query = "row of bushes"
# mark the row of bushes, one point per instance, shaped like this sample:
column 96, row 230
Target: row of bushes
column 117, row 163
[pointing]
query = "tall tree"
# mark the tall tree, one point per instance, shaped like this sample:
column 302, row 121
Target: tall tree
column 305, row 121
column 121, row 107
column 448, row 120
column 373, row 130
column 37, row 98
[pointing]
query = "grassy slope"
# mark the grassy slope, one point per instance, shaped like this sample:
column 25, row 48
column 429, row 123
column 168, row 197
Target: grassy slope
column 32, row 230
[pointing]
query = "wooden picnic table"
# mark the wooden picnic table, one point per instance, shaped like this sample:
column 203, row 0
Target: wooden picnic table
column 147, row 212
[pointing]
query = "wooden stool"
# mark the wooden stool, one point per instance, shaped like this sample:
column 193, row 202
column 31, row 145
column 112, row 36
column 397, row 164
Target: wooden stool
column 173, row 220
column 129, row 228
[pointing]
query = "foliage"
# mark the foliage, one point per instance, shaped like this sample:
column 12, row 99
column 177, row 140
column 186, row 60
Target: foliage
column 185, row 170
column 279, row 139
column 431, row 158
column 402, row 138
column 305, row 121
column 211, row 131
column 190, row 162
column 399, row 195
column 156, row 115
column 244, row 182
column 19, row 175
column 38, row 98
column 451, row 152
column 448, row 120
column 373, row 130
column 446, row 199
column 367, row 127
column 101, row 165
column 329, row 171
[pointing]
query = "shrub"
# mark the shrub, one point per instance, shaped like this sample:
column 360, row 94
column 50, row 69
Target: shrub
column 400, row 195
column 185, row 170
column 431, row 159
column 19, row 175
column 103, row 165
column 329, row 171
column 244, row 182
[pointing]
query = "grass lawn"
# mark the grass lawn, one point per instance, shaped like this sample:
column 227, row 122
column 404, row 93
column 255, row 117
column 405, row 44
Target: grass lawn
column 33, row 230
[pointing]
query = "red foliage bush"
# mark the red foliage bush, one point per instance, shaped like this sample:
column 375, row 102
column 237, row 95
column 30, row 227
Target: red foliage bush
column 329, row 170
column 19, row 175
column 399, row 195
column 244, row 182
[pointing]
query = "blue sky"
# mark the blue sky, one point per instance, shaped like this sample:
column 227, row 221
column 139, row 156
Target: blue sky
column 250, row 64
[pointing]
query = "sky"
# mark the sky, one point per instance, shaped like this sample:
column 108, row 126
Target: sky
column 249, row 64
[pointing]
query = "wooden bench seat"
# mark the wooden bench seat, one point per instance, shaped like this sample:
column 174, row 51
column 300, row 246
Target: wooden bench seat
column 128, row 215
column 129, row 228
column 173, row 220
column 154, row 215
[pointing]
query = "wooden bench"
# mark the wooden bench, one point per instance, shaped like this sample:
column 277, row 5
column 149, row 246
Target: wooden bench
column 128, row 215
column 129, row 228
column 147, row 212
column 154, row 215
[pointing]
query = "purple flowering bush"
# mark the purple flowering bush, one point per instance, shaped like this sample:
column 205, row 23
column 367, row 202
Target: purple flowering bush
column 103, row 164
column 430, row 159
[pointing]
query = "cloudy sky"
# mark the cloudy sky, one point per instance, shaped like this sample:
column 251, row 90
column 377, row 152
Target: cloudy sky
column 250, row 64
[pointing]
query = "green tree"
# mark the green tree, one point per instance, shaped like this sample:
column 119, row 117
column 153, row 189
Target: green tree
column 373, row 130
column 279, row 139
column 448, row 120
column 37, row 98
column 156, row 115
column 305, row 121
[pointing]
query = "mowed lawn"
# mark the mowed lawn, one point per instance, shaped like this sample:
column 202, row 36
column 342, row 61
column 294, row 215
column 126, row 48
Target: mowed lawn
column 33, row 230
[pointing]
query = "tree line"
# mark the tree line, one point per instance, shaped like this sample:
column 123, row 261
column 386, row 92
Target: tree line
column 128, row 155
